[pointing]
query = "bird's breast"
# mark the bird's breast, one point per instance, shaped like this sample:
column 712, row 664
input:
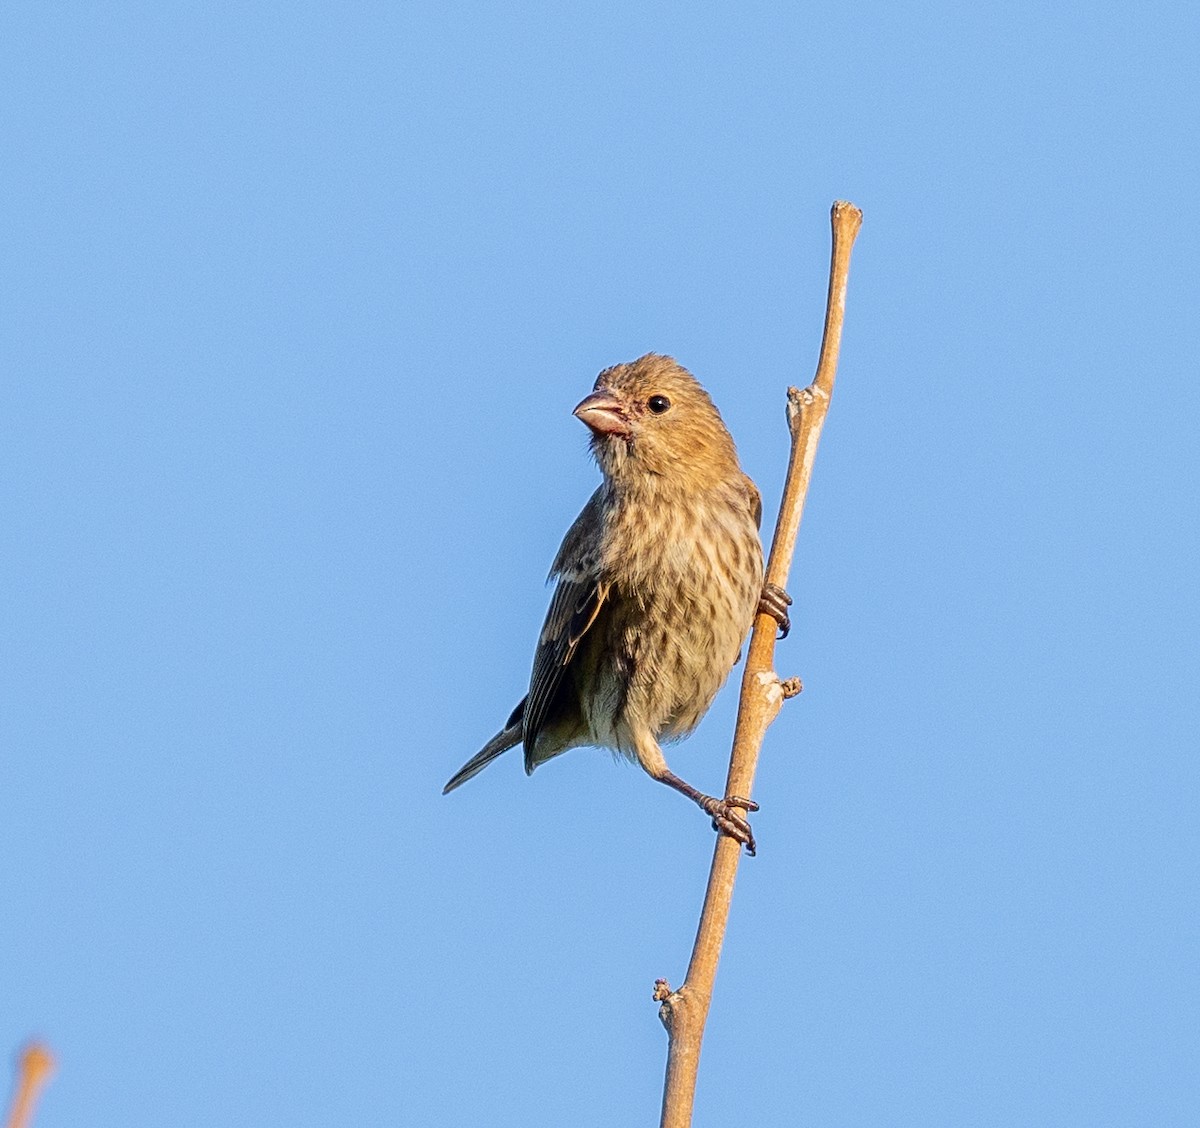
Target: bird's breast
column 685, row 585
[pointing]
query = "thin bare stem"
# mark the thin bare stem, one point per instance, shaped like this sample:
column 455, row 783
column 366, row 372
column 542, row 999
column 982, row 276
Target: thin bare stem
column 685, row 1011
column 34, row 1067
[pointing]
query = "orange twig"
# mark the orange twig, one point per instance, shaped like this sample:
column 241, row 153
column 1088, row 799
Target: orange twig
column 34, row 1068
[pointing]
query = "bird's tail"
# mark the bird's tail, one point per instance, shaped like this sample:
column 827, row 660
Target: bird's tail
column 501, row 742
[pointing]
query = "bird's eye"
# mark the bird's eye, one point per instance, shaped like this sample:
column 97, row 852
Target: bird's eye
column 658, row 404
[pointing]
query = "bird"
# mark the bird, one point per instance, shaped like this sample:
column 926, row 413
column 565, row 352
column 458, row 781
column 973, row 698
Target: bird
column 658, row 582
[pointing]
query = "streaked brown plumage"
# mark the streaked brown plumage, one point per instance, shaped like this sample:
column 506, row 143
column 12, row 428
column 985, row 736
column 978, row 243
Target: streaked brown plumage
column 659, row 579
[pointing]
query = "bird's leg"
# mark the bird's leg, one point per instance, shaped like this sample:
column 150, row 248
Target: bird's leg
column 726, row 819
column 774, row 601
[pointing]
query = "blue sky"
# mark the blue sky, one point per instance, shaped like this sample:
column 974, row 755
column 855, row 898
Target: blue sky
column 295, row 301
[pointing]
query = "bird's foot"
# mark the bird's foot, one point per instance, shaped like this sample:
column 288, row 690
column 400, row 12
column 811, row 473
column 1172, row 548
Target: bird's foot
column 774, row 601
column 727, row 818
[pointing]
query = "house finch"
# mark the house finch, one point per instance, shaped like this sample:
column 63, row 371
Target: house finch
column 659, row 579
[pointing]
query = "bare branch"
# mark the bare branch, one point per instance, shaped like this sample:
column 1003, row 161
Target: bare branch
column 685, row 1011
column 34, row 1067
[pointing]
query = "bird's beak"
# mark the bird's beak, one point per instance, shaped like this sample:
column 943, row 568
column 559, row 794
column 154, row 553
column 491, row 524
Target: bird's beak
column 605, row 414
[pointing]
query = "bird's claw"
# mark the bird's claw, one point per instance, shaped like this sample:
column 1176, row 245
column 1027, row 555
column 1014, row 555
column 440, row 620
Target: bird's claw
column 774, row 601
column 726, row 819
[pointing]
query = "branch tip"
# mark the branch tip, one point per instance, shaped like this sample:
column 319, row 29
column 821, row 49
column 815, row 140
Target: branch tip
column 34, row 1067
column 846, row 218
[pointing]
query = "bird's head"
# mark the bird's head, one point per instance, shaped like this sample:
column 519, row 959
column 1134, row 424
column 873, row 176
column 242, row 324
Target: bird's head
column 652, row 417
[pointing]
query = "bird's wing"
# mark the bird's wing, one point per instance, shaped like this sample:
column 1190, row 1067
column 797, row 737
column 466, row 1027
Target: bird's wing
column 573, row 610
column 577, row 601
column 755, row 500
